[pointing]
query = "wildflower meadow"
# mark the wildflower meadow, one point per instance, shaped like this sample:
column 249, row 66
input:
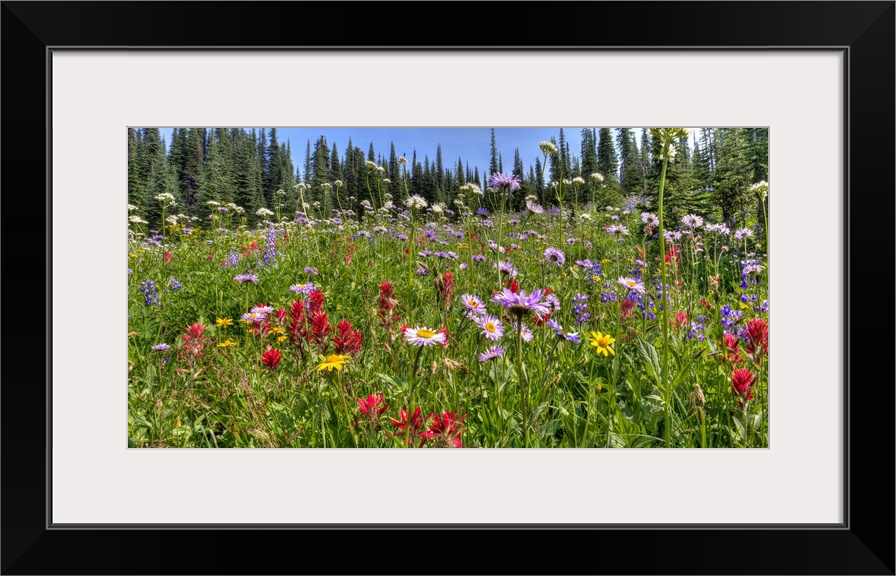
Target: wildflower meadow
column 369, row 305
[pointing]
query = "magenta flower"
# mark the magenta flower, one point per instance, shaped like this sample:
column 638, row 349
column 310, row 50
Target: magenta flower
column 509, row 181
column 519, row 303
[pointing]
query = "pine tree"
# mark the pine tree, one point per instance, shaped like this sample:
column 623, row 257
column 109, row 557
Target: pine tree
column 733, row 175
column 192, row 179
column 135, row 185
column 493, row 158
column 539, row 180
column 245, row 179
column 589, row 154
column 646, row 160
column 320, row 170
column 160, row 180
column 307, row 178
column 630, row 181
column 607, row 164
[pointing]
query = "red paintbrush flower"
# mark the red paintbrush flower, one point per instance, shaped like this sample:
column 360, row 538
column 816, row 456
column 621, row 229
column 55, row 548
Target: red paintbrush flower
column 194, row 340
column 373, row 406
column 444, row 288
column 732, row 348
column 271, row 358
column 168, row 257
column 195, row 331
column 680, row 321
column 320, row 328
column 316, row 301
column 514, row 287
column 627, row 306
column 673, row 252
column 445, row 429
column 347, row 341
column 741, row 383
column 408, row 427
column 757, row 336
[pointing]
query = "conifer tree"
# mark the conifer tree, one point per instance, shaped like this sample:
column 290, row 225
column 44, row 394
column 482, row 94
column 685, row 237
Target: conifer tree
column 607, row 164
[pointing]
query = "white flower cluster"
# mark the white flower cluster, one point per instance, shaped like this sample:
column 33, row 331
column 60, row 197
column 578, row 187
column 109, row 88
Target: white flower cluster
column 263, row 212
column 213, row 203
column 415, row 202
column 578, row 180
column 597, row 176
column 438, row 208
column 131, row 207
column 136, row 219
column 548, row 147
column 166, row 197
column 370, row 165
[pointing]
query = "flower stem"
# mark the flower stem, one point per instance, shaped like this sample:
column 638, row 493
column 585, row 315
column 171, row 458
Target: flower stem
column 667, row 396
column 524, row 408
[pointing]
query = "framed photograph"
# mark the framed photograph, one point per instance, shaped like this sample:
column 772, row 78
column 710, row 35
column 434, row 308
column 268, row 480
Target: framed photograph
column 816, row 77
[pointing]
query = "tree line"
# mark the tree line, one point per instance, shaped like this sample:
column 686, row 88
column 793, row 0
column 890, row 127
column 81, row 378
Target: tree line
column 710, row 176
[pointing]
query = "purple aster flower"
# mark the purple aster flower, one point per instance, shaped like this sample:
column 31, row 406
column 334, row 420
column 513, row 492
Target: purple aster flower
column 473, row 304
column 312, row 271
column 243, row 278
column 719, row 229
column 160, row 347
column 692, row 221
column 463, row 266
column 584, row 263
column 478, row 258
column 617, row 230
column 173, row 284
column 632, row 284
column 570, row 336
column 130, row 271
column 506, row 268
column 507, row 181
column 519, row 303
column 491, row 354
column 554, row 256
column 491, row 327
column 650, row 219
column 482, row 211
column 571, row 241
column 742, row 233
column 552, row 302
column 263, row 310
column 526, row 333
column 253, row 317
column 534, row 208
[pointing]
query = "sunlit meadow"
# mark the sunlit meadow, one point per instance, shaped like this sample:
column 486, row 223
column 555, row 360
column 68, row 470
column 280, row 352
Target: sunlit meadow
column 397, row 322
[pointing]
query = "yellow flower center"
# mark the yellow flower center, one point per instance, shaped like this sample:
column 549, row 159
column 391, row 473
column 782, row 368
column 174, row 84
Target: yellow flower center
column 632, row 283
column 489, row 326
column 425, row 333
column 603, row 342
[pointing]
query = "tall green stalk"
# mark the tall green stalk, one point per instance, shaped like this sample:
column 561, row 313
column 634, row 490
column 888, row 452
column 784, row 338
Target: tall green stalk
column 667, row 396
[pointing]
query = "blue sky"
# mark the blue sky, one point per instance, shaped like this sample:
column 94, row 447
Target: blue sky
column 470, row 144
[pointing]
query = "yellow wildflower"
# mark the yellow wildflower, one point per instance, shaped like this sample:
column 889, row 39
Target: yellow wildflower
column 336, row 361
column 602, row 343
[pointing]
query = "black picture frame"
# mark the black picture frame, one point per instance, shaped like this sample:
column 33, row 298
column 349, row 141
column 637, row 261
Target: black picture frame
column 863, row 544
